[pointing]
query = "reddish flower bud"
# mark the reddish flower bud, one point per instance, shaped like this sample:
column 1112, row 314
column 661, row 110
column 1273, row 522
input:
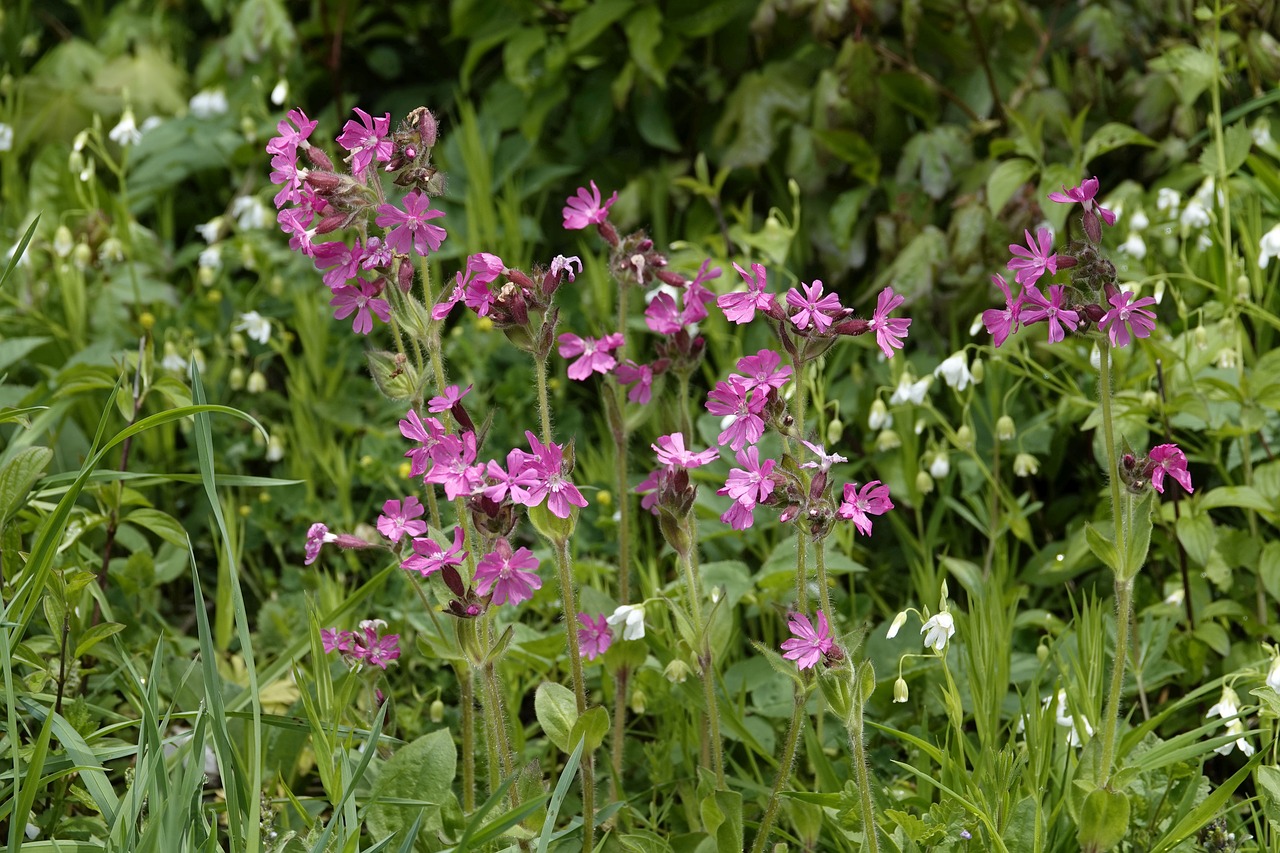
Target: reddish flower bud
column 318, row 158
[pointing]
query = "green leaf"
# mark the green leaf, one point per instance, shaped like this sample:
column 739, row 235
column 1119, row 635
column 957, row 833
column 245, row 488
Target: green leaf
column 722, row 818
column 160, row 523
column 1102, row 547
column 13, row 349
column 1269, row 569
column 644, row 34
column 420, row 775
column 20, row 250
column 853, row 148
column 19, row 475
column 1208, row 807
column 1236, row 142
column 1243, row 497
column 1214, row 636
column 591, row 728
column 1104, row 820
column 594, row 19
column 95, row 635
column 1005, row 180
column 557, row 712
column 1198, row 535
column 1139, row 539
column 1111, row 136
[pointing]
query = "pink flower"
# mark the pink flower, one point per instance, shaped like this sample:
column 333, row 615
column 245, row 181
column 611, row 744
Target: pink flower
column 317, row 536
column 1168, row 459
column 762, row 370
column 738, row 516
column 857, row 505
column 1123, row 314
column 544, row 475
column 509, row 574
column 562, row 265
column 592, row 354
column 448, row 399
column 413, row 229
column 366, row 141
column 289, row 139
column 397, row 519
column 672, row 453
column 641, row 375
column 594, row 637
column 1038, row 308
column 741, row 307
column 285, row 171
column 808, row 643
column 1001, row 323
column 585, row 208
column 1034, row 260
column 824, row 461
column 453, row 465
column 813, row 307
column 662, row 316
column 510, row 480
column 428, row 557
column 735, row 399
column 368, row 647
column 750, row 484
column 364, row 302
column 334, row 640
column 341, row 262
column 427, row 433
column 1085, row 195
column 889, row 332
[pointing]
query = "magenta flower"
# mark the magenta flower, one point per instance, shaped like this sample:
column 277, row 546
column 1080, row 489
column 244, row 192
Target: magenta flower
column 1085, row 194
column 750, row 484
column 824, row 461
column 592, row 354
column 290, row 139
column 662, row 316
column 1168, row 459
column 585, row 208
column 671, row 452
column 296, row 222
column 544, row 475
column 341, row 261
column 453, row 465
column 364, row 302
column 427, row 433
column 1035, row 259
column 739, row 307
column 368, row 647
column 594, row 637
column 1124, row 313
column 890, row 332
column 813, row 307
column 510, row 575
column 739, row 516
column 510, row 480
column 285, row 171
column 317, row 536
column 428, row 557
column 857, row 505
column 1002, row 322
column 398, row 519
column 808, row 643
column 733, row 398
column 334, row 640
column 366, row 140
column 1038, row 308
column 641, row 375
column 448, row 399
column 762, row 370
column 412, row 226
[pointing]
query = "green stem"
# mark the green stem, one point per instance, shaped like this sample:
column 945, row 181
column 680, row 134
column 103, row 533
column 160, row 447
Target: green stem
column 706, row 671
column 570, row 606
column 857, row 748
column 799, row 403
column 544, row 410
column 824, row 595
column 784, row 771
column 466, row 697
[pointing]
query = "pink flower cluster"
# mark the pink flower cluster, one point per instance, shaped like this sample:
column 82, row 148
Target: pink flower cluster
column 366, row 646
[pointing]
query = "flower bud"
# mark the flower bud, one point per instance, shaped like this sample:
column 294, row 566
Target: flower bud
column 1025, row 465
column 1042, row 652
column 1201, row 338
column 236, row 378
column 111, row 250
column 835, row 431
column 82, row 255
column 275, row 449
column 1005, row 430
column 1150, row 399
column 604, row 497
column 437, row 711
column 1095, row 358
column 147, row 321
column 978, row 371
column 257, row 382
column 637, row 702
column 887, row 440
column 1242, row 288
column 677, row 672
column 924, row 483
column 63, row 242
column 941, row 465
column 896, row 626
column 879, row 417
column 900, row 692
column 964, row 437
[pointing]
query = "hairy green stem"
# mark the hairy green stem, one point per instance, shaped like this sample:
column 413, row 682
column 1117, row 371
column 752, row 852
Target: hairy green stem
column 824, row 595
column 587, row 766
column 467, row 699
column 706, row 670
column 857, row 748
column 784, row 771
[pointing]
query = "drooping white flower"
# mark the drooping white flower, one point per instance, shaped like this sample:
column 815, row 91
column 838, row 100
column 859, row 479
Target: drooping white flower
column 879, row 417
column 1228, row 709
column 908, row 391
column 255, row 326
column 1135, row 247
column 1194, row 215
column 1139, row 221
column 1273, row 674
column 1168, row 200
column 1269, row 246
column 955, row 371
column 210, row 258
column 208, row 103
column 631, row 617
column 6, row 136
column 280, row 92
column 941, row 465
column 126, row 132
column 937, row 630
column 1068, row 722
column 896, row 625
column 249, row 213
column 1025, row 465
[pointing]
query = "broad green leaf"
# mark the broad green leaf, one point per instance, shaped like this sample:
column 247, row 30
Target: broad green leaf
column 160, row 523
column 591, row 728
column 1104, row 820
column 419, row 774
column 1103, row 548
column 557, row 712
column 1198, row 535
column 644, row 34
column 1111, row 136
column 1269, row 569
column 1138, row 541
column 1236, row 142
column 19, row 475
column 1005, row 180
column 95, row 635
column 594, row 19
column 853, row 148
column 1244, row 497
column 722, row 818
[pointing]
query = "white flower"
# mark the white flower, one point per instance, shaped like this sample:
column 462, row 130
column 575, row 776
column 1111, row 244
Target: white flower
column 172, row 362
column 1228, row 708
column 63, row 242
column 908, row 391
column 900, row 692
column 249, row 213
column 879, row 417
column 1168, row 200
column 6, row 137
column 257, row 383
column 887, row 440
column 1095, row 358
column 1139, row 221
column 1273, row 674
column 1176, row 597
column 1194, row 215
column 126, row 132
column 1025, row 465
column 210, row 258
column 280, row 92
column 1066, row 721
column 1134, row 247
column 941, row 465
column 1261, row 133
column 1228, row 705
column 955, row 371
column 633, row 617
column 275, row 449
column 896, row 626
column 255, row 326
column 1269, row 246
column 940, row 628
column 208, row 103
column 211, row 229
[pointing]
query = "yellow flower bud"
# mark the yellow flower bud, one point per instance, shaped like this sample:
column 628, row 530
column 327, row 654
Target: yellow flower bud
column 147, row 321
column 604, row 497
column 406, row 467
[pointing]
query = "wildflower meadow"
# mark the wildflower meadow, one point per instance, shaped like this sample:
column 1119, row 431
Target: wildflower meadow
column 651, row 427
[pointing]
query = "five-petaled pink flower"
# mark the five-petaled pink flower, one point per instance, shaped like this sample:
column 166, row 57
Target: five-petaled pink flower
column 641, row 375
column 448, row 399
column 671, row 452
column 509, row 574
column 400, row 519
column 366, row 140
column 368, row 647
column 1035, row 259
column 594, row 637
column 813, row 307
column 824, row 461
column 586, row 209
column 317, row 535
column 364, row 302
column 1038, row 308
column 1168, row 459
column 734, row 398
column 290, row 139
column 412, row 229
column 1086, row 194
column 592, row 354
column 808, row 643
column 1001, row 322
column 1127, row 312
column 543, row 476
column 750, row 484
column 762, row 370
column 429, row 557
column 858, row 505
column 739, row 307
column 453, row 465
column 427, row 433
column 890, row 332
